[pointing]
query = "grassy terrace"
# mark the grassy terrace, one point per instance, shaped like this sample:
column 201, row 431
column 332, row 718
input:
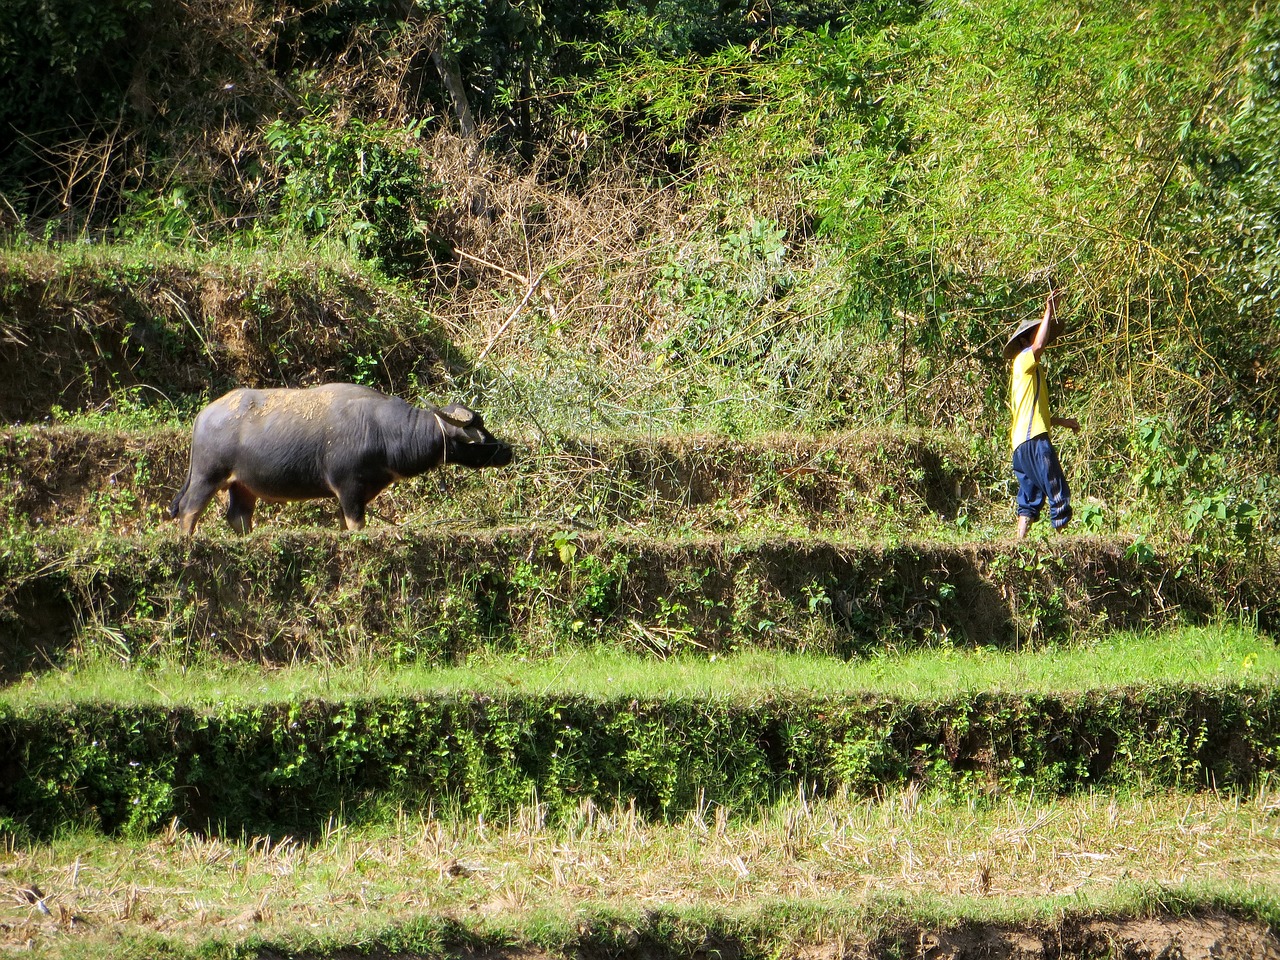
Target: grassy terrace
column 884, row 871
column 738, row 659
column 237, row 749
column 437, row 594
column 635, row 693
column 93, row 474
column 1184, row 656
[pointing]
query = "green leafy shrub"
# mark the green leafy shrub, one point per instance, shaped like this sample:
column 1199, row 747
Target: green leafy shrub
column 364, row 182
column 292, row 767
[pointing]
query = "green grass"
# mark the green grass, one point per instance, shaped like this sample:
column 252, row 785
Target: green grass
column 257, row 254
column 1208, row 655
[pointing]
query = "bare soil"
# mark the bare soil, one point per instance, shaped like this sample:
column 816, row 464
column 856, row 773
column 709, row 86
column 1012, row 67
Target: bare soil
column 1184, row 938
column 1204, row 937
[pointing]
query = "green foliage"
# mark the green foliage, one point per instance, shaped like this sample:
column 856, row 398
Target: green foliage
column 1237, row 165
column 668, row 77
column 1219, row 514
column 160, row 216
column 728, row 300
column 362, row 182
column 60, row 63
column 930, row 173
column 292, row 767
column 665, row 105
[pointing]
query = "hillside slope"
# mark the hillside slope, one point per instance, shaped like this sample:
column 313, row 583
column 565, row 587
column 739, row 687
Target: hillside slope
column 739, row 657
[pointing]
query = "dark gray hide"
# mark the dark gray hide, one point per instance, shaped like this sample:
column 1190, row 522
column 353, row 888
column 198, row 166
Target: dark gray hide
column 339, row 440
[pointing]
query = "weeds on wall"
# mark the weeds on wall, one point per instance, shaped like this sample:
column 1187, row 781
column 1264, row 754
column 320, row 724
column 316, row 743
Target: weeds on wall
column 431, row 598
column 291, row 768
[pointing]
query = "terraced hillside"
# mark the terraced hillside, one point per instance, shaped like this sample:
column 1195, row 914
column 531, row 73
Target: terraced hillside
column 649, row 694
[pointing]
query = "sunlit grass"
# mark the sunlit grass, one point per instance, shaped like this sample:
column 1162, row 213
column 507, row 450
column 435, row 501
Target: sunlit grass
column 1202, row 655
column 805, row 865
column 257, row 252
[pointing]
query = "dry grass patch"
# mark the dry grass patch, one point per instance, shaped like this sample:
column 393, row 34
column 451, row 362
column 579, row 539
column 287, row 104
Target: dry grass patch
column 1007, row 858
column 96, row 326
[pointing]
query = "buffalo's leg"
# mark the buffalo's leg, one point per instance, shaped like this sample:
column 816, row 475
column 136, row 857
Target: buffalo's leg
column 352, row 501
column 194, row 500
column 240, row 508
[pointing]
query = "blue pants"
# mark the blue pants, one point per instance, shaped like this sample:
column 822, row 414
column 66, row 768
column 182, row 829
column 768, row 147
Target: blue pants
column 1035, row 463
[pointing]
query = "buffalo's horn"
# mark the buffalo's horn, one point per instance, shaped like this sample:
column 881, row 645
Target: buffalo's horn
column 457, row 415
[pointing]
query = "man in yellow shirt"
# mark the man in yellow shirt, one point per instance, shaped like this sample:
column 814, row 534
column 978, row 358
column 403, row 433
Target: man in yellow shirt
column 1035, row 461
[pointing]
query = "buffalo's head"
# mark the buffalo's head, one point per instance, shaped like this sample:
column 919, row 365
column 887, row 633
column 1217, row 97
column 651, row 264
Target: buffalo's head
column 467, row 442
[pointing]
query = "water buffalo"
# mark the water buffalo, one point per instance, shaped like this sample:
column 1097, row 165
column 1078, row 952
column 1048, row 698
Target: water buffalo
column 339, row 440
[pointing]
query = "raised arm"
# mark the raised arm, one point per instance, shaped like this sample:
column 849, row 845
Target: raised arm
column 1041, row 340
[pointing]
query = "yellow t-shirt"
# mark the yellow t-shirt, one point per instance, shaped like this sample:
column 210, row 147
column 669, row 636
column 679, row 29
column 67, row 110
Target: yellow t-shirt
column 1028, row 399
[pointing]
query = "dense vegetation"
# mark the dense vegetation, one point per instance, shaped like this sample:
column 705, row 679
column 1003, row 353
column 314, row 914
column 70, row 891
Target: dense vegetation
column 735, row 277
column 722, row 214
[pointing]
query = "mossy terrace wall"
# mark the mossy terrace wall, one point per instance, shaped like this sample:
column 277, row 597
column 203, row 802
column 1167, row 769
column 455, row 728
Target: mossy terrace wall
column 78, row 333
column 291, row 767
column 437, row 596
column 88, row 477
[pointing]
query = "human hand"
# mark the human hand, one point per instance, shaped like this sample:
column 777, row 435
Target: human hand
column 1070, row 423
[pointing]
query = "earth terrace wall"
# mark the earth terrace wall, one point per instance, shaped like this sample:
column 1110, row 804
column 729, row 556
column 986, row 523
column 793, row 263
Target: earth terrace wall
column 434, row 596
column 76, row 333
column 1175, row 923
column 79, row 476
column 291, row 767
